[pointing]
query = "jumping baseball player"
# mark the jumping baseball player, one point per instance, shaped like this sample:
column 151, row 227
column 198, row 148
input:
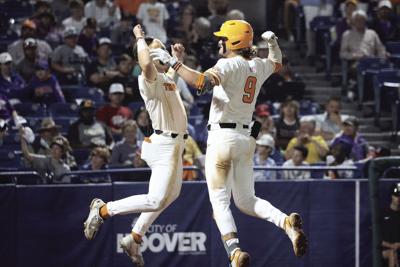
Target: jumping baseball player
column 162, row 151
column 236, row 80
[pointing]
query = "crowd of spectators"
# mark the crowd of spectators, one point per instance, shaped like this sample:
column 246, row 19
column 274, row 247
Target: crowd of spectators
column 88, row 44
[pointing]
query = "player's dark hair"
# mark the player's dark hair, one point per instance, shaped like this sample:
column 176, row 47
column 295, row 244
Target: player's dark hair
column 303, row 150
column 247, row 53
column 148, row 40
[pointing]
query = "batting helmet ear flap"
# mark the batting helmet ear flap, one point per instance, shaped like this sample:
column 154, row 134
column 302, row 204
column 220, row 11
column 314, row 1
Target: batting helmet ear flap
column 239, row 34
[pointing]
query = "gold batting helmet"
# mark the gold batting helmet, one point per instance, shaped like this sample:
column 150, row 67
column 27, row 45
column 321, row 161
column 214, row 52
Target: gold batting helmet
column 239, row 34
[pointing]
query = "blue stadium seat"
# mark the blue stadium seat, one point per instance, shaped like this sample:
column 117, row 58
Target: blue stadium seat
column 394, row 49
column 368, row 67
column 65, row 123
column 9, row 158
column 389, row 80
column 31, row 110
column 81, row 155
column 307, row 107
column 12, row 141
column 134, row 106
column 318, row 174
column 76, row 92
column 64, row 110
column 16, row 9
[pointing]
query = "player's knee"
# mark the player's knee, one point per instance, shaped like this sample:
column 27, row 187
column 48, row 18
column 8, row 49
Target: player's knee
column 244, row 203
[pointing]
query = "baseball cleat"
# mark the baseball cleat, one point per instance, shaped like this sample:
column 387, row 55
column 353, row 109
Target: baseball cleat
column 94, row 220
column 240, row 259
column 293, row 227
column 132, row 249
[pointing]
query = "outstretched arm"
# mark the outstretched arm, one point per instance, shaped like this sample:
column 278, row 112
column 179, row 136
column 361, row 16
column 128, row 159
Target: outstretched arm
column 275, row 53
column 143, row 51
column 203, row 82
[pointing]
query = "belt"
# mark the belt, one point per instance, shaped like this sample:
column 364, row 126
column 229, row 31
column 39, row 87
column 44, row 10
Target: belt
column 173, row 135
column 230, row 125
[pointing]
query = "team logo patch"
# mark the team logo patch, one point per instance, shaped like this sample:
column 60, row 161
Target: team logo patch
column 169, row 86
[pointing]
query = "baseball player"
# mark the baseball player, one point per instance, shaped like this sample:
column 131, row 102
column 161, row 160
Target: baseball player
column 236, row 80
column 162, row 151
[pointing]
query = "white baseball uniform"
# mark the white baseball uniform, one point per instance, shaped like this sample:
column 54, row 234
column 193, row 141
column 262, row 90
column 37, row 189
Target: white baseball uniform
column 161, row 152
column 229, row 157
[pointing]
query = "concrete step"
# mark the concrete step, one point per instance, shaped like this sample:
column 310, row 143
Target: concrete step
column 369, row 129
column 383, row 143
column 378, row 136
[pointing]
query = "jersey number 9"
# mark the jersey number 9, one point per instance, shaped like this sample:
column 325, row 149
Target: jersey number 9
column 249, row 90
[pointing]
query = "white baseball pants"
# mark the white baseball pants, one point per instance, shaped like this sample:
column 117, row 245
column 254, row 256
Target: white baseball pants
column 164, row 157
column 229, row 168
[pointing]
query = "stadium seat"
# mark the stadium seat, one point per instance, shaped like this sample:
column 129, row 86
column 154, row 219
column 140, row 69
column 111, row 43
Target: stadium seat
column 16, row 9
column 9, row 158
column 74, row 93
column 394, row 49
column 65, row 123
column 368, row 67
column 307, row 107
column 134, row 106
column 64, row 110
column 81, row 155
column 389, row 80
column 11, row 141
column 321, row 25
column 31, row 110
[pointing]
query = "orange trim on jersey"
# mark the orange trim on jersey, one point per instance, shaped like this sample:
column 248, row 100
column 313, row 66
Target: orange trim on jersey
column 215, row 76
column 200, row 81
column 169, row 86
column 147, row 140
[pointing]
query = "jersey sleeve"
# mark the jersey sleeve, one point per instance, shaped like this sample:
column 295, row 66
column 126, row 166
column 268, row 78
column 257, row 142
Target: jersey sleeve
column 267, row 67
column 221, row 71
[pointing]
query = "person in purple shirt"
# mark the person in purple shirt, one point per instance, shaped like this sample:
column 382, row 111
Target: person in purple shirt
column 11, row 84
column 87, row 38
column 44, row 87
column 354, row 145
column 6, row 109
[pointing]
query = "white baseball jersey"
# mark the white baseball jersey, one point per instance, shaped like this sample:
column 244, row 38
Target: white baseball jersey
column 240, row 82
column 164, row 104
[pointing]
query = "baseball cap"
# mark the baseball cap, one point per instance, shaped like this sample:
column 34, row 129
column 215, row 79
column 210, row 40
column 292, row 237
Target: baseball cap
column 70, row 31
column 104, row 40
column 266, row 140
column 262, row 110
column 5, row 57
column 352, row 121
column 87, row 104
column 116, row 88
column 42, row 65
column 30, row 42
column 385, row 3
column 396, row 189
column 29, row 24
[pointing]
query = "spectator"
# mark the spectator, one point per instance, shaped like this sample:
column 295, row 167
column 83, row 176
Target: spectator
column 330, row 123
column 354, row 144
column 265, row 146
column 11, row 84
column 129, row 7
column 145, row 128
column 41, row 6
column 384, row 23
column 298, row 157
column 264, row 117
column 153, row 16
column 87, row 132
column 312, row 9
column 26, row 66
column 28, row 30
column 192, row 156
column 3, row 130
column 121, row 33
column 289, row 15
column 287, row 124
column 50, row 167
column 344, row 23
column 315, row 144
column 338, row 158
column 99, row 158
column 105, row 12
column 61, row 9
column 68, row 59
column 44, row 87
column 390, row 229
column 360, row 41
column 46, row 132
column 186, row 23
column 102, row 70
column 126, row 152
column 125, row 77
column 219, row 12
column 77, row 18
column 235, row 14
column 113, row 114
column 6, row 110
column 46, row 28
column 87, row 38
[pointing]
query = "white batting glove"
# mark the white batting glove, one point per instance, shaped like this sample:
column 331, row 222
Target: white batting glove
column 270, row 37
column 163, row 56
